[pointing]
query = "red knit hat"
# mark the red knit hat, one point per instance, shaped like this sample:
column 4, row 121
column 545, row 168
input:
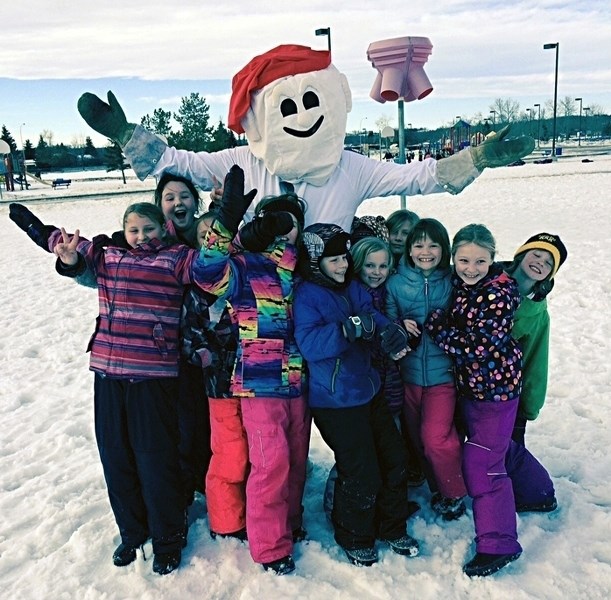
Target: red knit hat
column 281, row 61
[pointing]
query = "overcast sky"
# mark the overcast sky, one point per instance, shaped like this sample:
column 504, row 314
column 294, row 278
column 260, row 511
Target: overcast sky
column 153, row 52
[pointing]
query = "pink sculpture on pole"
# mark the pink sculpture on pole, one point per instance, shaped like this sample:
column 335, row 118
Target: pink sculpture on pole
column 400, row 64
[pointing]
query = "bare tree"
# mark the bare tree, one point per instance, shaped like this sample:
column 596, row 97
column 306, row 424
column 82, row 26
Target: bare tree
column 566, row 106
column 78, row 140
column 596, row 109
column 47, row 135
column 383, row 121
column 507, row 110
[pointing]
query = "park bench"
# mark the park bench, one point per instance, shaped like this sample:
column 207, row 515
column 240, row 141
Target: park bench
column 59, row 182
column 21, row 181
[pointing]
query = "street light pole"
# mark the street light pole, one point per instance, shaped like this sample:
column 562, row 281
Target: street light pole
column 529, row 111
column 538, row 125
column 493, row 113
column 556, row 46
column 361, row 133
column 580, row 104
column 24, row 179
column 586, row 109
column 325, row 31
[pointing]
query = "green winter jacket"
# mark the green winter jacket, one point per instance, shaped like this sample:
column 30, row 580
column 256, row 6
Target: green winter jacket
column 531, row 329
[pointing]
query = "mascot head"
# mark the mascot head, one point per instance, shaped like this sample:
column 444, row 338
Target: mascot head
column 292, row 104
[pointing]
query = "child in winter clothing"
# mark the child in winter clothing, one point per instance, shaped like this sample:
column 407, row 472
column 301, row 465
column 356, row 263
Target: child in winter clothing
column 372, row 262
column 534, row 266
column 399, row 224
column 334, row 323
column 500, row 475
column 141, row 275
column 421, row 285
column 266, row 390
column 179, row 200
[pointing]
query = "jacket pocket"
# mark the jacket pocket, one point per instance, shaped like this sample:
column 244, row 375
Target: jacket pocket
column 335, row 374
column 159, row 339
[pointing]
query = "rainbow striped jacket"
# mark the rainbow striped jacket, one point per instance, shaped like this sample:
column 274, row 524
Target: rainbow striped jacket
column 259, row 287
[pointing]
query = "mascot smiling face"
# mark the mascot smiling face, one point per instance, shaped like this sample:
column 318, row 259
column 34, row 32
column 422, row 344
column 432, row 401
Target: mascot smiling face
column 293, row 106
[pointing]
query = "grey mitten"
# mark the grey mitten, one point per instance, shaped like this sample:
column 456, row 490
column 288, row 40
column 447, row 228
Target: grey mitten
column 496, row 151
column 106, row 118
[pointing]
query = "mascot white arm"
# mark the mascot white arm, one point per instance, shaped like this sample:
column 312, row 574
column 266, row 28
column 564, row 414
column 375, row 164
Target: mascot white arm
column 292, row 104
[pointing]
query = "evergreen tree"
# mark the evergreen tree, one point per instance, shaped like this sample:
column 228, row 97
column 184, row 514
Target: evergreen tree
column 193, row 117
column 90, row 149
column 222, row 138
column 43, row 154
column 29, row 150
column 115, row 159
column 8, row 138
column 159, row 123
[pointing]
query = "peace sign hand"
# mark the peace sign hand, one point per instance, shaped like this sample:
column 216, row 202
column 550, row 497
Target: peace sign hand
column 66, row 250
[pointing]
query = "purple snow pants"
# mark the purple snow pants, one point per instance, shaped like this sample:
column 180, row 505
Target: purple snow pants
column 489, row 427
column 498, row 473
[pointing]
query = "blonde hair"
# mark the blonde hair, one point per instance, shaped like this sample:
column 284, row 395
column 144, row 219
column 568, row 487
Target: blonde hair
column 364, row 248
column 474, row 234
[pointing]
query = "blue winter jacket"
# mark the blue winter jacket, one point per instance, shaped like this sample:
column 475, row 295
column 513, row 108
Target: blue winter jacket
column 411, row 295
column 340, row 372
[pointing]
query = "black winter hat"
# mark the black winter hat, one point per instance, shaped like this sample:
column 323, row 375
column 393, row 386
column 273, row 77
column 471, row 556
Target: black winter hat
column 290, row 203
column 546, row 241
column 320, row 240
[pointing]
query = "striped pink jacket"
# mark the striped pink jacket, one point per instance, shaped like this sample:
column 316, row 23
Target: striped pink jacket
column 140, row 292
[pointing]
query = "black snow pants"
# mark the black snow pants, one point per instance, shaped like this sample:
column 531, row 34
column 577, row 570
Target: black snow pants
column 370, row 499
column 136, row 426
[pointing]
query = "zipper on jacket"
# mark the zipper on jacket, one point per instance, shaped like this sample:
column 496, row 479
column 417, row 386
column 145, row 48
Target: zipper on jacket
column 427, row 309
column 338, row 363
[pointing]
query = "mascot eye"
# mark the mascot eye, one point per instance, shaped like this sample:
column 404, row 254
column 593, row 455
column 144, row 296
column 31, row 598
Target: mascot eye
column 288, row 107
column 310, row 100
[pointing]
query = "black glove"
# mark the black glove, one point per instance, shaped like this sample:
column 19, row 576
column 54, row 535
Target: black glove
column 359, row 326
column 262, row 231
column 107, row 119
column 414, row 340
column 393, row 339
column 25, row 219
column 234, row 203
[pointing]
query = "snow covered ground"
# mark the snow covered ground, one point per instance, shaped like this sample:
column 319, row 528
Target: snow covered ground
column 57, row 533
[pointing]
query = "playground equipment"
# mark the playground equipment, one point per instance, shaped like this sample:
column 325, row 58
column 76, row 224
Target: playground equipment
column 400, row 65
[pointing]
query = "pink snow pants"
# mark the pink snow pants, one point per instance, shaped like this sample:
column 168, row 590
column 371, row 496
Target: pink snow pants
column 278, row 433
column 226, row 477
column 429, row 417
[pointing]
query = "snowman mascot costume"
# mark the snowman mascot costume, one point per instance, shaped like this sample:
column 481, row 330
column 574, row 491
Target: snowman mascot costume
column 292, row 104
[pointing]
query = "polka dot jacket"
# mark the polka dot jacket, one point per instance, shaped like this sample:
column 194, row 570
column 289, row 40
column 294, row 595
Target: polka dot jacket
column 476, row 334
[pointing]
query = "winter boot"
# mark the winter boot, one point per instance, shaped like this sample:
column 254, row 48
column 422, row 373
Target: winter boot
column 240, row 534
column 362, row 557
column 299, row 534
column 166, row 562
column 546, row 506
column 449, row 508
column 405, row 546
column 282, row 566
column 124, row 555
column 482, row 565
